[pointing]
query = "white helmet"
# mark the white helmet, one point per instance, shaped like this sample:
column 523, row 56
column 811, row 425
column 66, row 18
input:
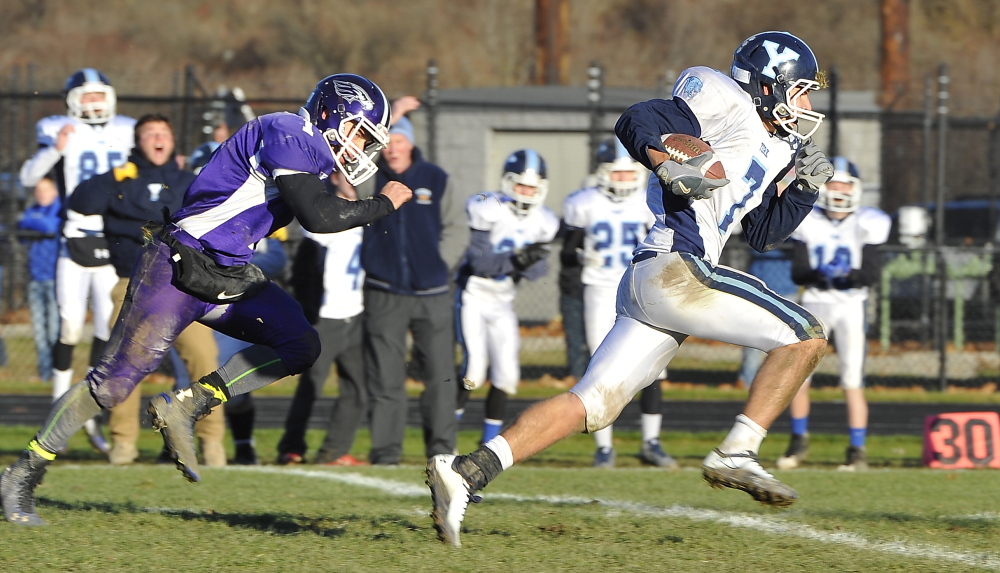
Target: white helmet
column 612, row 157
column 846, row 201
column 524, row 167
column 85, row 81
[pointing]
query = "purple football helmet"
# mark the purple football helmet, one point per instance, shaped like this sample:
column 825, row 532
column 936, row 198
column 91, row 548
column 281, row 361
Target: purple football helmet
column 344, row 106
column 86, row 81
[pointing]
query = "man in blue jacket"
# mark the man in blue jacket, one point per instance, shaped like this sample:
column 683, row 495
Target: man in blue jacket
column 128, row 197
column 408, row 260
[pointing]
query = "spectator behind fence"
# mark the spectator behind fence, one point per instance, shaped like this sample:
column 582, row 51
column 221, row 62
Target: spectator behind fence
column 43, row 217
column 89, row 140
column 408, row 261
column 509, row 241
column 327, row 280
column 571, row 308
column 605, row 223
column 126, row 198
column 837, row 259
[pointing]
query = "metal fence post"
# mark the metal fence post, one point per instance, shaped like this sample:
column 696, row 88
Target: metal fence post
column 833, row 117
column 432, row 111
column 939, row 233
column 595, row 81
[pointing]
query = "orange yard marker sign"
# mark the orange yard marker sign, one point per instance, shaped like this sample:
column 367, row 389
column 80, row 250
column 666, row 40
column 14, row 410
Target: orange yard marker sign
column 962, row 440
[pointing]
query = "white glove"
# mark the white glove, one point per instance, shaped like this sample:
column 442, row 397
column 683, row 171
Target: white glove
column 470, row 385
column 685, row 179
column 590, row 258
column 812, row 167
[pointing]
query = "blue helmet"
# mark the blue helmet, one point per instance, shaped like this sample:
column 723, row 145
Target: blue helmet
column 775, row 68
column 200, row 156
column 841, row 200
column 611, row 158
column 85, row 81
column 524, row 167
column 342, row 106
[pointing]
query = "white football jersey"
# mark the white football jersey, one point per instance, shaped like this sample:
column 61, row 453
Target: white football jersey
column 614, row 229
column 492, row 212
column 827, row 240
column 751, row 155
column 343, row 276
column 90, row 150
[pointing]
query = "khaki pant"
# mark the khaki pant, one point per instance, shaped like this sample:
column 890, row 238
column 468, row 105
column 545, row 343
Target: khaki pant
column 196, row 346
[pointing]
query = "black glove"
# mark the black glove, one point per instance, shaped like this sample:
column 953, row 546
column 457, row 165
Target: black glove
column 529, row 255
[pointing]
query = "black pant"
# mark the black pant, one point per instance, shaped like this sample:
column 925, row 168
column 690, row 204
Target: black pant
column 341, row 342
column 429, row 319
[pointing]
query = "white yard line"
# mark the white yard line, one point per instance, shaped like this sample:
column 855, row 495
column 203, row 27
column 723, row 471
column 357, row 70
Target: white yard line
column 768, row 524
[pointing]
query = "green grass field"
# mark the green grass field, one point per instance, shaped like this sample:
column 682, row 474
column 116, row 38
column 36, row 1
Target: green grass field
column 553, row 513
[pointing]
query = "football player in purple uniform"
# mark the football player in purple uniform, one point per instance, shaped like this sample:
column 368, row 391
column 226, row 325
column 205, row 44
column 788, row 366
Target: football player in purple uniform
column 196, row 267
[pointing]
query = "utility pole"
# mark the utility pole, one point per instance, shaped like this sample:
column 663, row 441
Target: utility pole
column 551, row 42
column 895, row 66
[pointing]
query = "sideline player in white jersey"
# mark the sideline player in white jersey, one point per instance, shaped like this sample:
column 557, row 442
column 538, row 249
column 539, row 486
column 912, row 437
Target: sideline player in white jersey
column 836, row 258
column 604, row 224
column 89, row 140
column 510, row 233
column 759, row 120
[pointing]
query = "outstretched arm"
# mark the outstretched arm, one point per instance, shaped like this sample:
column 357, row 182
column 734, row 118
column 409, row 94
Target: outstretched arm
column 322, row 212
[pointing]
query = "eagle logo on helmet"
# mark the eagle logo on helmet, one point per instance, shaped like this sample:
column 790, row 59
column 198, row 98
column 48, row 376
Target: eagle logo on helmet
column 352, row 92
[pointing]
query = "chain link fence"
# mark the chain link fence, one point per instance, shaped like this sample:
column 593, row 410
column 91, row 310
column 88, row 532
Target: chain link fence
column 933, row 319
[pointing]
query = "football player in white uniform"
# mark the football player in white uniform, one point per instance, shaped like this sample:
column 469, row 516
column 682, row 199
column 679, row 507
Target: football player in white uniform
column 759, row 121
column 836, row 258
column 510, row 233
column 89, row 140
column 604, row 224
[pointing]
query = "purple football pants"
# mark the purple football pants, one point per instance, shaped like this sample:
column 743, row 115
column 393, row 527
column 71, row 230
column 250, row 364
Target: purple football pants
column 155, row 312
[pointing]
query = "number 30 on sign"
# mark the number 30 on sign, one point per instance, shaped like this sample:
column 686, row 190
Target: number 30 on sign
column 962, row 440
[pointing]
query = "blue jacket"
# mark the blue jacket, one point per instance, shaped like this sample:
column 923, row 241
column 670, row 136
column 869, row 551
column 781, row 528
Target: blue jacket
column 128, row 200
column 401, row 253
column 43, row 252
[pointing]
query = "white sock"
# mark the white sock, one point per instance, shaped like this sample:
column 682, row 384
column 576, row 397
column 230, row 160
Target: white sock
column 91, row 427
column 61, row 381
column 603, row 438
column 501, row 448
column 746, row 435
column 651, row 424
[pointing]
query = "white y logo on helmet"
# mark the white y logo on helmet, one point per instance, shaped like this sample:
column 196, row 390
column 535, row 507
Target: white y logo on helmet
column 787, row 54
column 353, row 92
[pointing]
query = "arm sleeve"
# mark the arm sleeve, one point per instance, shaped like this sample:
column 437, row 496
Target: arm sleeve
column 642, row 125
column 777, row 216
column 573, row 241
column 802, row 272
column 322, row 212
column 454, row 230
column 481, row 259
column 93, row 196
column 39, row 165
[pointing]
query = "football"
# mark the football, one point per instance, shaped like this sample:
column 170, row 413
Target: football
column 682, row 147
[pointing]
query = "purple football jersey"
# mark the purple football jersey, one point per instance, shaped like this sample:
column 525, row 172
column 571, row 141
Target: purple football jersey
column 234, row 202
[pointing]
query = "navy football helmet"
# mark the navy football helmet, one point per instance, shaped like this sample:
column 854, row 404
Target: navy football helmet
column 524, row 167
column 85, row 81
column 611, row 158
column 841, row 201
column 776, row 68
column 200, row 156
column 343, row 106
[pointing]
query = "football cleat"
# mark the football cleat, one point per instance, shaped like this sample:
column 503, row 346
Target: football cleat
column 246, row 455
column 604, row 458
column 174, row 416
column 797, row 451
column 743, row 471
column 96, row 436
column 857, row 460
column 450, row 495
column 344, row 460
column 652, row 454
column 291, row 458
column 17, row 489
